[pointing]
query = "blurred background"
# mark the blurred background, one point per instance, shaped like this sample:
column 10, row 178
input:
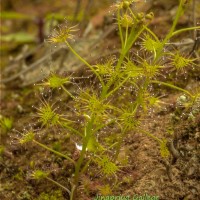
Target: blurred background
column 25, row 24
column 29, row 22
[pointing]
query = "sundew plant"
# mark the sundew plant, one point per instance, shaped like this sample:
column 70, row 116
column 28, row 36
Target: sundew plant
column 105, row 112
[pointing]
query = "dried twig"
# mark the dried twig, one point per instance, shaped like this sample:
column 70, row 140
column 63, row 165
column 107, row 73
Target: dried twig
column 29, row 68
column 173, row 150
column 45, row 57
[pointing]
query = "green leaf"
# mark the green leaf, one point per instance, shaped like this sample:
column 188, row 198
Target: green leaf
column 55, row 16
column 15, row 15
column 6, row 124
column 20, row 37
column 93, row 145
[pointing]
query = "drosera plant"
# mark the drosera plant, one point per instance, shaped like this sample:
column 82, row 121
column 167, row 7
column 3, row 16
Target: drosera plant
column 124, row 97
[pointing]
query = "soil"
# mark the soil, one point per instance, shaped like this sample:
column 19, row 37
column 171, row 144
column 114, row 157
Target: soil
column 146, row 172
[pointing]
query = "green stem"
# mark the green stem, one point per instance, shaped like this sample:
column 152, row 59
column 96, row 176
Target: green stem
column 120, row 85
column 72, row 197
column 88, row 132
column 129, row 40
column 135, row 32
column 131, row 12
column 58, row 184
column 104, row 92
column 152, row 136
column 126, row 36
column 174, row 87
column 120, row 28
column 119, row 144
column 52, row 150
column 152, row 33
column 73, row 97
column 124, row 131
column 121, row 58
column 104, row 125
column 84, row 148
column 85, row 62
column 85, row 166
column 179, row 12
column 185, row 29
column 71, row 129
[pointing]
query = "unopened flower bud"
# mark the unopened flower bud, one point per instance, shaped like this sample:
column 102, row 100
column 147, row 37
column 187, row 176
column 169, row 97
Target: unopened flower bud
column 140, row 15
column 126, row 4
column 149, row 16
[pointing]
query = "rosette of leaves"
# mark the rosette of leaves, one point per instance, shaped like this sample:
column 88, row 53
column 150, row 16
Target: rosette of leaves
column 107, row 167
column 128, row 119
column 180, row 62
column 48, row 116
column 27, row 137
column 151, row 44
column 55, row 81
column 90, row 104
column 105, row 190
column 106, row 69
column 62, row 33
column 38, row 175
